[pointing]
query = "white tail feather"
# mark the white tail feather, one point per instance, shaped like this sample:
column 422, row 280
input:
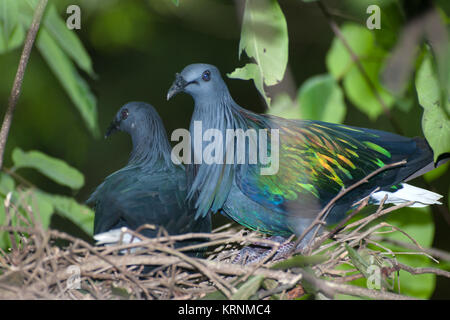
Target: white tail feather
column 115, row 236
column 421, row 196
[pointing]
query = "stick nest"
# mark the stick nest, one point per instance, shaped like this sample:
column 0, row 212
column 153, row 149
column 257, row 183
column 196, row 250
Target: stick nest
column 49, row 264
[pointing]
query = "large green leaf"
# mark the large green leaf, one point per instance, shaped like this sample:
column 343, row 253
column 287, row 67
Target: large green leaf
column 41, row 208
column 43, row 205
column 362, row 95
column 67, row 40
column 341, row 65
column 321, row 98
column 9, row 16
column 7, row 183
column 283, row 106
column 11, row 31
column 79, row 214
column 53, row 168
column 360, row 40
column 435, row 121
column 251, row 71
column 75, row 86
column 58, row 45
column 264, row 38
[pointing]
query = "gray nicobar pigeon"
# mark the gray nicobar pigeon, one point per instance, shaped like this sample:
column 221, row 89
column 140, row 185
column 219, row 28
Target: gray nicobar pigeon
column 150, row 189
column 315, row 160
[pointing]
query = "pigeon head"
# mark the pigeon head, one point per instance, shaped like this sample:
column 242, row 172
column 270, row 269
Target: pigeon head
column 199, row 80
column 141, row 121
column 131, row 118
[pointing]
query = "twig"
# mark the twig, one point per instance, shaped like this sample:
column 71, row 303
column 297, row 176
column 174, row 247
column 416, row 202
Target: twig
column 412, row 270
column 332, row 288
column 328, row 235
column 17, row 86
column 344, row 191
column 440, row 254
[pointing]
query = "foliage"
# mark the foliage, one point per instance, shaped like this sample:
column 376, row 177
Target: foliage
column 357, row 62
column 264, row 37
column 435, row 121
column 25, row 198
column 362, row 71
column 59, row 46
column 64, row 53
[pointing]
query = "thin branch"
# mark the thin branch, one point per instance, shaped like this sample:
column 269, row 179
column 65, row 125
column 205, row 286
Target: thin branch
column 322, row 214
column 332, row 288
column 437, row 253
column 17, row 86
column 413, row 270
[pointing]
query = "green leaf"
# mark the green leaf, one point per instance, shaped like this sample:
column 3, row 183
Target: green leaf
column 53, row 168
column 357, row 260
column 9, row 17
column 264, row 38
column 341, row 65
column 251, row 71
column 75, row 86
column 39, row 205
column 360, row 93
column 321, row 98
column 12, row 33
column 435, row 121
column 248, row 289
column 79, row 214
column 176, row 2
column 67, row 40
column 283, row 106
column 360, row 40
column 7, row 184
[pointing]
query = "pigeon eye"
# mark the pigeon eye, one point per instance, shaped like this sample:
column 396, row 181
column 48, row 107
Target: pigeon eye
column 124, row 114
column 206, row 76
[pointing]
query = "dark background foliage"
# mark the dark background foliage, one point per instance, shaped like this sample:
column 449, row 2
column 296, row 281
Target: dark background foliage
column 136, row 47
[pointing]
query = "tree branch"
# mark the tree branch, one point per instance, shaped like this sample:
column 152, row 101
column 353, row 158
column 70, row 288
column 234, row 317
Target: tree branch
column 332, row 288
column 323, row 213
column 17, row 85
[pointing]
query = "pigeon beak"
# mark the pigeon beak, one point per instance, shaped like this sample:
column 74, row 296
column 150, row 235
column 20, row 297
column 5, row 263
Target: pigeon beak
column 113, row 127
column 178, row 85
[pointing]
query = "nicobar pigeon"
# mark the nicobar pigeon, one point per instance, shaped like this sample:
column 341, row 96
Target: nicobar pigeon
column 150, row 189
column 316, row 160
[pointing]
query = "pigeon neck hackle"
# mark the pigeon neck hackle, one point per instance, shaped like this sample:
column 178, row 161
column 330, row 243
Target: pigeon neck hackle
column 150, row 143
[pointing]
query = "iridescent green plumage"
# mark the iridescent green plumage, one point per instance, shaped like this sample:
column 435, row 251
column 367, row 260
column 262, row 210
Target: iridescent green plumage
column 316, row 161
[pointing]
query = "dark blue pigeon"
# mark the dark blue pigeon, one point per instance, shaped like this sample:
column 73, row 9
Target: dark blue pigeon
column 313, row 162
column 150, row 189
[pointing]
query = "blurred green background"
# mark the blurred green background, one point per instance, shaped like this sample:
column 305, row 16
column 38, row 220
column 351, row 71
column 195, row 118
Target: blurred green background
column 136, row 47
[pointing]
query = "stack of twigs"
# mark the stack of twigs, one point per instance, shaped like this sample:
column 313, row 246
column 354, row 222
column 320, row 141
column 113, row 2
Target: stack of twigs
column 37, row 266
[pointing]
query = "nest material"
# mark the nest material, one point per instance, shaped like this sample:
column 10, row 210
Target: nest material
column 38, row 268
